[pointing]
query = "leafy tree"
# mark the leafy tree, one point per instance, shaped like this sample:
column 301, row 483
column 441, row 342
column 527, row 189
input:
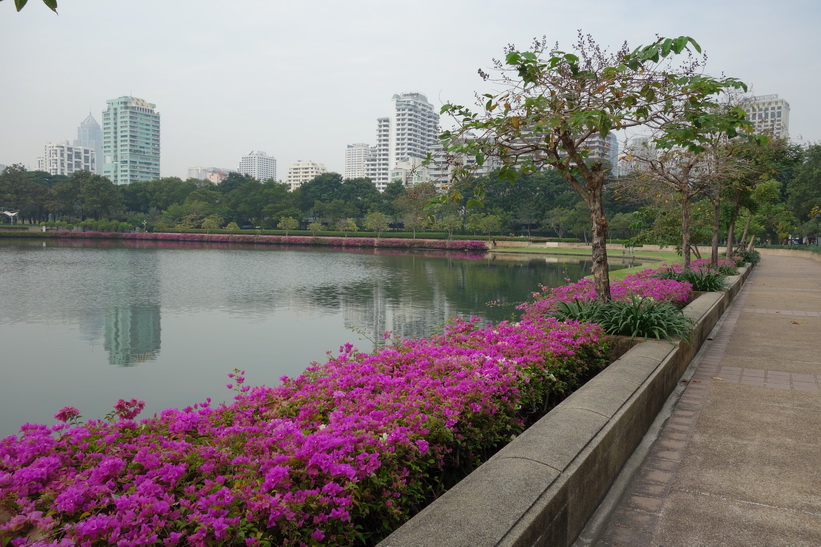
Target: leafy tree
column 804, row 189
column 346, row 225
column 449, row 223
column 315, row 228
column 558, row 219
column 376, row 222
column 211, row 223
column 288, row 224
column 411, row 205
column 232, row 227
column 558, row 100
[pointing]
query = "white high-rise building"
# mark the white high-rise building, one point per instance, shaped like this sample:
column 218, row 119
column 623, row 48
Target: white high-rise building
column 259, row 165
column 355, row 155
column 411, row 131
column 90, row 135
column 63, row 159
column 769, row 115
column 301, row 172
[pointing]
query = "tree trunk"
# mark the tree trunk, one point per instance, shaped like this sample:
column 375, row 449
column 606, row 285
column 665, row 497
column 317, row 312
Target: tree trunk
column 601, row 270
column 716, row 229
column 733, row 218
column 742, row 245
column 685, row 231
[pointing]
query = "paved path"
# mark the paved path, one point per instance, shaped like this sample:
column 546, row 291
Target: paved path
column 738, row 461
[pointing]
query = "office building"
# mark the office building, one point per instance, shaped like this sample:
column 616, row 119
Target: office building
column 90, row 135
column 301, row 172
column 131, row 140
column 64, row 159
column 355, row 156
column 259, row 165
column 411, row 131
column 769, row 115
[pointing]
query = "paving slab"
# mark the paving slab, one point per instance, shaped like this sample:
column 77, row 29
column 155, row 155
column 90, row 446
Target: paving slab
column 738, row 460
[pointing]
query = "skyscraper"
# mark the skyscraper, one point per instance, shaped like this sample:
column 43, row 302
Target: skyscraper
column 131, row 140
column 89, row 135
column 259, row 165
column 769, row 115
column 410, row 132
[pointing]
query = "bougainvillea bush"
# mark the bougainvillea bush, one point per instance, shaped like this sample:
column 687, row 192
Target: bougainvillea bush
column 342, row 454
column 642, row 285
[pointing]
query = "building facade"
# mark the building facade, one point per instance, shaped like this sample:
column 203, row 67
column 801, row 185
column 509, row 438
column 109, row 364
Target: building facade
column 64, row 159
column 769, row 115
column 90, row 135
column 355, row 156
column 301, row 172
column 411, row 132
column 259, row 165
column 131, row 140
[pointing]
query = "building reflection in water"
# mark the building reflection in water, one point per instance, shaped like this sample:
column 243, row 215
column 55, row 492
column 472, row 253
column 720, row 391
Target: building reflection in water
column 132, row 335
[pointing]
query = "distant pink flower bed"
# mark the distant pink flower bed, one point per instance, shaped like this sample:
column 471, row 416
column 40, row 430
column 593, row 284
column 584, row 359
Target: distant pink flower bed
column 341, row 454
column 641, row 284
column 387, row 242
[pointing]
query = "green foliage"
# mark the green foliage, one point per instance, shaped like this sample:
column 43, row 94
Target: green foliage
column 751, row 256
column 641, row 317
column 288, row 224
column 703, row 280
column 20, row 4
column 376, row 222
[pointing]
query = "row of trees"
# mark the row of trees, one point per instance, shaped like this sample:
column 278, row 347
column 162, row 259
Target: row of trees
column 553, row 101
column 769, row 203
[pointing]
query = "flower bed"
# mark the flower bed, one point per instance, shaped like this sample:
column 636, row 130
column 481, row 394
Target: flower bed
column 385, row 242
column 642, row 284
column 341, row 454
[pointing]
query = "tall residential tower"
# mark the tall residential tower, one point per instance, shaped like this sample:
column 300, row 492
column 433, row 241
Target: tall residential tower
column 769, row 115
column 407, row 135
column 131, row 140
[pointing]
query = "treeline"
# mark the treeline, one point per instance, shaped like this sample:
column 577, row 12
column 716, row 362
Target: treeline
column 784, row 203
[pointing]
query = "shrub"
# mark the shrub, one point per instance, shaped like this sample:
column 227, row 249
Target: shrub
column 633, row 317
column 751, row 257
column 705, row 280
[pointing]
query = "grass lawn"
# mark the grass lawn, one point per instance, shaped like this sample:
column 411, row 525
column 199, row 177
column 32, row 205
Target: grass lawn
column 654, row 259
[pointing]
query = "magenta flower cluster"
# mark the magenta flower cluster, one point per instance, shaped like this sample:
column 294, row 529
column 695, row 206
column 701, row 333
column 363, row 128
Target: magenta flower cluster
column 641, row 284
column 341, row 454
column 704, row 264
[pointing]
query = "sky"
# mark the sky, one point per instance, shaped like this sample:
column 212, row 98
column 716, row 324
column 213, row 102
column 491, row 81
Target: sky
column 301, row 79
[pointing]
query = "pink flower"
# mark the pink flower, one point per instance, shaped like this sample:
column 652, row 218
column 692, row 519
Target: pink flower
column 67, row 414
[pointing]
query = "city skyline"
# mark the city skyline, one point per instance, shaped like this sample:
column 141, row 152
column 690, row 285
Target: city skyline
column 308, row 91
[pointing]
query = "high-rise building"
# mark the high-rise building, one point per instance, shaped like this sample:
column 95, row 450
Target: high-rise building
column 769, row 115
column 131, row 140
column 355, row 156
column 259, row 165
column 410, row 132
column 63, row 159
column 89, row 135
column 301, row 172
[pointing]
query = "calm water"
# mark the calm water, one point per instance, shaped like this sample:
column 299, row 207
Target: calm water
column 87, row 323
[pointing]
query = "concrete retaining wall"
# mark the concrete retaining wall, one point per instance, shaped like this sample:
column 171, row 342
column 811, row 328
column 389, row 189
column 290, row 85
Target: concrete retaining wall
column 542, row 488
column 790, row 252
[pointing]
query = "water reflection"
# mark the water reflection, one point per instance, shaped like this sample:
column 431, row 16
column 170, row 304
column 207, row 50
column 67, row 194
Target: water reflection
column 84, row 323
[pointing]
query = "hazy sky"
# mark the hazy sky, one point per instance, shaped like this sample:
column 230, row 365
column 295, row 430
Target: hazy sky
column 302, row 79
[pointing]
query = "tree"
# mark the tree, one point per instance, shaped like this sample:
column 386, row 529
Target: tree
column 211, row 223
column 557, row 101
column 558, row 219
column 288, row 224
column 411, row 205
column 315, row 228
column 376, row 222
column 346, row 225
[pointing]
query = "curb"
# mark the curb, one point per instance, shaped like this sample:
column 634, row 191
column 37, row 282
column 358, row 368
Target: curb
column 543, row 487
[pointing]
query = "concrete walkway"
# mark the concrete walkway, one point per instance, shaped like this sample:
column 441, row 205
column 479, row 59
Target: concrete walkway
column 737, row 459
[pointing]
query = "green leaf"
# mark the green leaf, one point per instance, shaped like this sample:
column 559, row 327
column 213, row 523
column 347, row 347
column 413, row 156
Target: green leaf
column 19, row 4
column 51, row 4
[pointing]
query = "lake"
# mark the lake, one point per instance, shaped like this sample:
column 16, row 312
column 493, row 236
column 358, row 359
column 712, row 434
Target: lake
column 84, row 323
